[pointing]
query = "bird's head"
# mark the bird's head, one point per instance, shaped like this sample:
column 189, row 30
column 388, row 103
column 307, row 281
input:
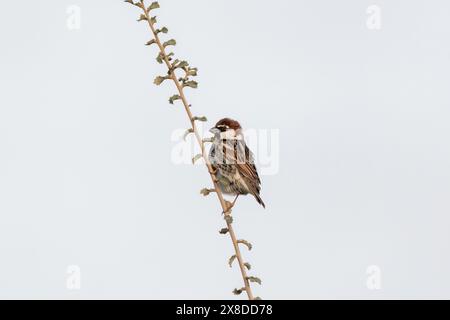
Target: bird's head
column 227, row 129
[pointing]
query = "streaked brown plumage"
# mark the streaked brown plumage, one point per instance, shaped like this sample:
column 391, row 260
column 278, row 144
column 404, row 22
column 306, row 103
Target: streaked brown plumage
column 233, row 161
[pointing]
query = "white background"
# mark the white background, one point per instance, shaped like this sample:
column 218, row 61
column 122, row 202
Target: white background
column 86, row 176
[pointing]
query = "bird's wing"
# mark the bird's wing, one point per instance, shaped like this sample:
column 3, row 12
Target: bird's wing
column 239, row 154
column 248, row 168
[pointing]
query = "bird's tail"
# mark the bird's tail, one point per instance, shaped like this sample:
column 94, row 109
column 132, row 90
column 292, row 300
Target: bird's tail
column 258, row 198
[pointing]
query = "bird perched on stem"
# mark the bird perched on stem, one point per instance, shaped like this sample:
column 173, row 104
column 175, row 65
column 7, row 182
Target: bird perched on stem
column 233, row 162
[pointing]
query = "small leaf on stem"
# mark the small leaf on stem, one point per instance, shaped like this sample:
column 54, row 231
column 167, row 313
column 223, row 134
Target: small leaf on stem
column 182, row 64
column 154, row 5
column 254, row 279
column 238, row 291
column 170, row 55
column 228, row 218
column 247, row 265
column 174, row 98
column 205, row 192
column 188, row 132
column 246, row 243
column 159, row 80
column 171, row 42
column 208, row 140
column 192, row 84
column 163, row 30
column 224, row 231
column 142, row 18
column 192, row 72
column 202, row 119
column 160, row 58
column 230, row 262
column 196, row 158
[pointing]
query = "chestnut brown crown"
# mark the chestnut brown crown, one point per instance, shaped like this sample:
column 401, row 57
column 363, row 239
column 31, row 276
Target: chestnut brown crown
column 228, row 123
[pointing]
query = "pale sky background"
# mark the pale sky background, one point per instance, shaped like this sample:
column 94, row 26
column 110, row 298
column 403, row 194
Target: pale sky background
column 86, row 176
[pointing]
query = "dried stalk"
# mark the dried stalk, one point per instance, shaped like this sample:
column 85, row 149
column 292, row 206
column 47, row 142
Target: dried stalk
column 166, row 59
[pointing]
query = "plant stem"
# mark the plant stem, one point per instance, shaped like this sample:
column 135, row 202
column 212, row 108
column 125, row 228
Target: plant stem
column 223, row 203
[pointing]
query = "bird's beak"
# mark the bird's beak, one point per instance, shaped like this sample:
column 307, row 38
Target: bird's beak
column 214, row 131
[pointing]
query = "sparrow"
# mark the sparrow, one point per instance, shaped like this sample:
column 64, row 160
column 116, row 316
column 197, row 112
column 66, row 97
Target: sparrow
column 233, row 162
